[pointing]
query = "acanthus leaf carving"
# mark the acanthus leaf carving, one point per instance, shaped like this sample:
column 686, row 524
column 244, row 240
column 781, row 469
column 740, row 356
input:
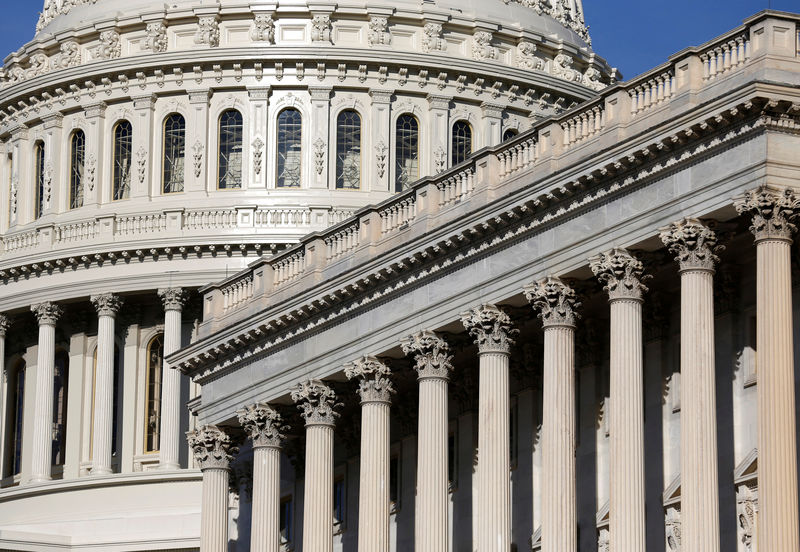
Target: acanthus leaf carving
column 321, row 28
column 621, row 274
column 156, row 37
column 263, row 29
column 207, row 31
column 591, row 78
column 212, row 447
column 526, row 56
column 106, row 304
column 431, row 353
column 491, row 328
column 374, row 384
column 379, row 34
column 692, row 243
column 562, row 68
column 672, row 526
column 258, row 154
column 555, row 301
column 319, row 155
column 773, row 211
column 69, row 56
column 380, row 158
column 439, row 159
column 141, row 163
column 432, row 40
column 746, row 512
column 197, row 158
column 482, row 48
column 47, row 313
column 109, row 47
column 316, row 401
column 173, row 298
column 90, row 171
column 263, row 424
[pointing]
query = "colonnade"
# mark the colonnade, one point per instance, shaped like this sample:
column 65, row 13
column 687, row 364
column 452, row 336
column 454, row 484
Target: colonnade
column 694, row 244
column 107, row 305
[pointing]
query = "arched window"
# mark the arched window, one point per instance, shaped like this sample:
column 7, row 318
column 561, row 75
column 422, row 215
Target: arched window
column 60, row 389
column 509, row 134
column 114, row 406
column 174, row 154
column 229, row 162
column 77, row 159
column 348, row 150
column 123, row 152
column 406, row 152
column 152, row 421
column 38, row 159
column 290, row 133
column 462, row 141
column 15, row 408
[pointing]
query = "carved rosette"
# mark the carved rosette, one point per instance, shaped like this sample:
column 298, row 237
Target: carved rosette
column 107, row 304
column 692, row 243
column 431, row 353
column 555, row 301
column 47, row 313
column 773, row 211
column 5, row 323
column 316, row 401
column 212, row 447
column 374, row 384
column 173, row 298
column 263, row 424
column 490, row 327
column 621, row 274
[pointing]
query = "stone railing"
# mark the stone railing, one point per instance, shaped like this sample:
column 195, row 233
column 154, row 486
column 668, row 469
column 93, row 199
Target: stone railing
column 237, row 292
column 655, row 91
column 134, row 225
column 343, row 240
column 456, row 187
column 289, row 268
column 76, row 231
column 518, row 156
column 583, row 126
column 725, row 56
column 210, row 219
column 398, row 214
column 20, row 242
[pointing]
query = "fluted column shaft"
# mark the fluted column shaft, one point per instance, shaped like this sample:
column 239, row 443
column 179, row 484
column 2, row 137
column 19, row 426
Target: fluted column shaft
column 103, row 414
column 265, row 526
column 373, row 494
column 318, row 495
column 42, row 442
column 431, row 523
column 559, row 516
column 169, row 429
column 212, row 449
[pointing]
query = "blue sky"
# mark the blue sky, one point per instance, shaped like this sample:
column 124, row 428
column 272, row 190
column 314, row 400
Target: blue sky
column 633, row 35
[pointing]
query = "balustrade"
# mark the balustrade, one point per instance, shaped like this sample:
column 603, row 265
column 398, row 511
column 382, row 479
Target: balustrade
column 456, row 187
column 398, row 215
column 342, row 241
column 140, row 224
column 237, row 292
column 725, row 57
column 518, row 156
column 583, row 126
column 652, row 92
column 288, row 268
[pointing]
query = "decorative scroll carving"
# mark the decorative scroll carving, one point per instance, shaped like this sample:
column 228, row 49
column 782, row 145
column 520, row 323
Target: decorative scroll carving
column 156, row 37
column 490, row 327
column 47, row 192
column 107, row 304
column 482, row 46
column 263, row 29
column 258, row 154
column 319, row 155
column 263, row 424
column 379, row 34
column 380, row 158
column 317, row 402
column 431, row 353
column 197, row 158
column 110, row 47
column 439, row 159
column 90, row 171
column 620, row 273
column 746, row 511
column 47, row 313
column 562, row 68
column 555, row 301
column 591, row 78
column 693, row 244
column 13, row 199
column 375, row 385
column 526, row 56
column 207, row 31
column 69, row 56
column 212, row 447
column 173, row 298
column 773, row 211
column 141, row 163
column 432, row 40
column 321, row 28
column 39, row 65
column 5, row 323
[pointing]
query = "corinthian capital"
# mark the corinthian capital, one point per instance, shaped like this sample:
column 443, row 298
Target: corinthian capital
column 490, row 327
column 263, row 424
column 621, row 273
column 432, row 354
column 555, row 301
column 211, row 446
column 693, row 244
column 5, row 323
column 173, row 298
column 773, row 211
column 375, row 385
column 47, row 313
column 316, row 402
column 107, row 304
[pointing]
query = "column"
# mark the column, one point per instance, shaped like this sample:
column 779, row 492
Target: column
column 173, row 299
column 264, row 426
column 212, row 450
column 556, row 304
column 433, row 364
column 375, row 390
column 491, row 329
column 316, row 403
column 42, row 446
column 773, row 211
column 622, row 275
column 107, row 305
column 693, row 245
column 5, row 322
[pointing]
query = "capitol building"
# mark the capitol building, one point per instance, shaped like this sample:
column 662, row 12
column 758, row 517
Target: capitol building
column 408, row 276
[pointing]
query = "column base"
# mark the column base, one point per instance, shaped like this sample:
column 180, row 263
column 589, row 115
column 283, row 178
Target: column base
column 101, row 471
column 39, row 479
column 171, row 466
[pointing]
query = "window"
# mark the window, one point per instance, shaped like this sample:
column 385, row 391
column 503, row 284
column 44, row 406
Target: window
column 338, row 504
column 38, row 159
column 123, row 151
column 513, row 429
column 452, row 459
column 286, row 519
column 348, row 151
column 155, row 360
column 174, row 155
column 229, row 163
column 290, row 133
column 60, row 387
column 462, row 141
column 16, row 402
column 77, row 159
column 406, row 152
column 509, row 134
column 394, row 483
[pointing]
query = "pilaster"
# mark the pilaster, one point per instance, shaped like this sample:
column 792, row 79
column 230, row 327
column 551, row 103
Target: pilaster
column 96, row 167
column 380, row 157
column 492, row 124
column 438, row 157
column 320, row 135
column 259, row 131
column 54, row 185
column 146, row 162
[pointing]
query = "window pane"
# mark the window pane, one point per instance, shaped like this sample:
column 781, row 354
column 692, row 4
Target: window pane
column 462, row 141
column 286, row 520
column 123, row 150
column 348, row 151
column 76, row 168
column 174, row 153
column 19, row 406
column 406, row 152
column 155, row 359
column 230, row 150
column 290, row 133
column 61, row 374
column 509, row 134
column 39, row 175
